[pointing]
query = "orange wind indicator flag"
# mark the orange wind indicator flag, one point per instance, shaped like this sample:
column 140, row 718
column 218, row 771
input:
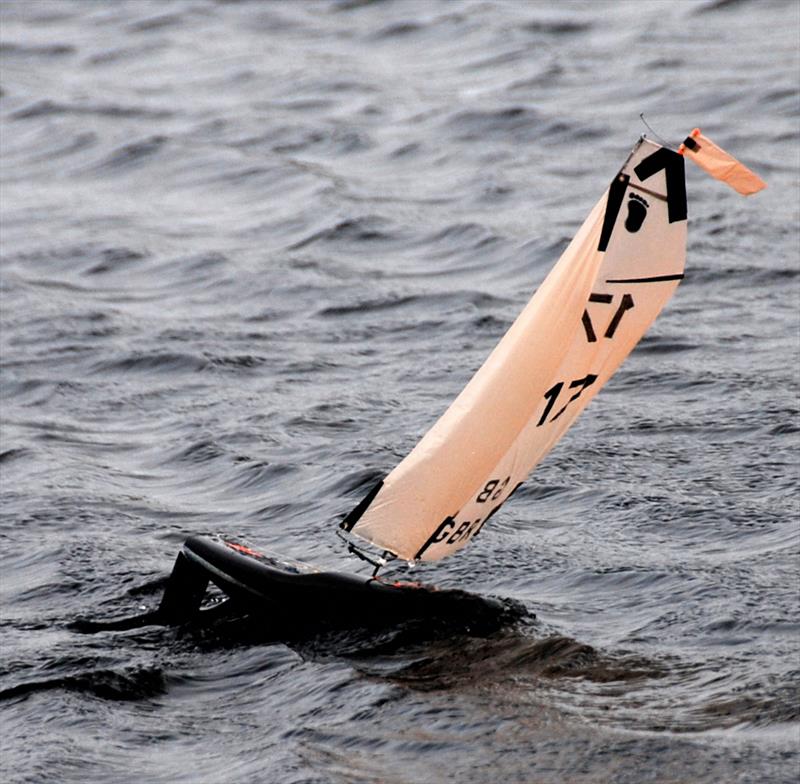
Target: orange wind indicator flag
column 719, row 164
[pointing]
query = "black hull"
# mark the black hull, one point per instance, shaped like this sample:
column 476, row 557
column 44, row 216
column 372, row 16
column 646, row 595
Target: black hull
column 297, row 598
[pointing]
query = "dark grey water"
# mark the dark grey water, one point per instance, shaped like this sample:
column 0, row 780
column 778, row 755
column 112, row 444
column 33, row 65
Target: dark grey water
column 250, row 251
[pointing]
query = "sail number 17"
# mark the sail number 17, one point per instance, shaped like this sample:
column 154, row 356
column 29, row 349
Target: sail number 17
column 554, row 393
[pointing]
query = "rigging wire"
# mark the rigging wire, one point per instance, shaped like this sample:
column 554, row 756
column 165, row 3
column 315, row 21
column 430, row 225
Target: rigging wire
column 377, row 562
column 649, row 128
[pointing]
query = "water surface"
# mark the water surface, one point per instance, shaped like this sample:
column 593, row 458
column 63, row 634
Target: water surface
column 251, row 251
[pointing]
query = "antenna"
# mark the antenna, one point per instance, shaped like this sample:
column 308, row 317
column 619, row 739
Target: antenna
column 647, row 125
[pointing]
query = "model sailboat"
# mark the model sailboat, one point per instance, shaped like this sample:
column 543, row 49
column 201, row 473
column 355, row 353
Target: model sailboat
column 609, row 285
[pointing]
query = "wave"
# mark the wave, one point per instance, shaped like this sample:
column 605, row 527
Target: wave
column 131, row 684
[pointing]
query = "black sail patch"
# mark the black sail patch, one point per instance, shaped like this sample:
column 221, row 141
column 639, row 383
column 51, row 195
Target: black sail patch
column 355, row 515
column 672, row 164
column 616, row 193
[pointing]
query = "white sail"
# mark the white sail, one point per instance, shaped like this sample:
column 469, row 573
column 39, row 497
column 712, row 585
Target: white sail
column 591, row 310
